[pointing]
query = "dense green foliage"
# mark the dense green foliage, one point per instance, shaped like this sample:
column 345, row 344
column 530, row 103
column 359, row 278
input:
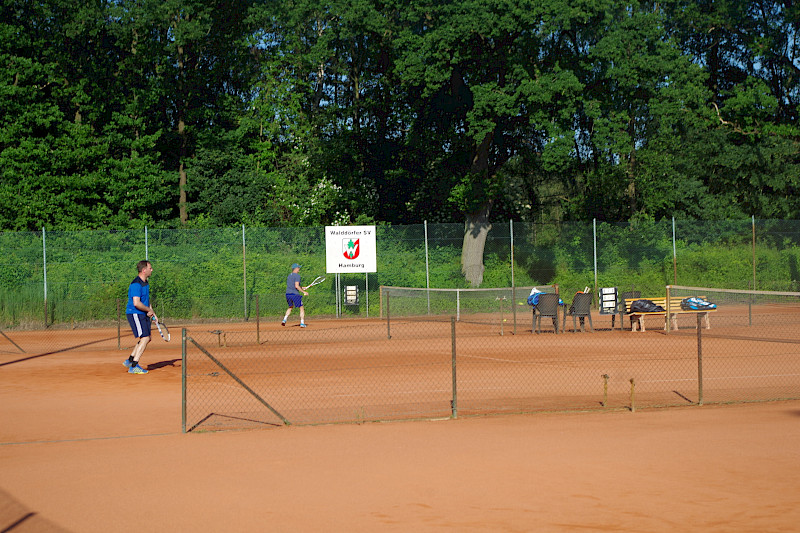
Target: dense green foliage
column 186, row 113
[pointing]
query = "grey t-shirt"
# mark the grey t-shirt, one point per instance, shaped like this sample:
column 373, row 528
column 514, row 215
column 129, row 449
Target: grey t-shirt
column 290, row 288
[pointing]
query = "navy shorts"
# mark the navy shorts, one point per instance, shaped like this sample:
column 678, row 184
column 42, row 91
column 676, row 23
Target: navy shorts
column 140, row 325
column 294, row 300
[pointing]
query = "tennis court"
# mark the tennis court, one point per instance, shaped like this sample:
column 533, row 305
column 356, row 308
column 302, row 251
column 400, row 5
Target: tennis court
column 84, row 446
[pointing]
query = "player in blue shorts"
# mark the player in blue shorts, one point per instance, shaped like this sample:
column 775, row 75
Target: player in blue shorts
column 293, row 297
column 139, row 315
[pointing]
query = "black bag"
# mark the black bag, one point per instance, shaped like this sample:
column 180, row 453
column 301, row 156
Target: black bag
column 646, row 306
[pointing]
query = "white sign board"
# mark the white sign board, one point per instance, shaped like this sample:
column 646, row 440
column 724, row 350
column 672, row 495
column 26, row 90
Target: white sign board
column 350, row 249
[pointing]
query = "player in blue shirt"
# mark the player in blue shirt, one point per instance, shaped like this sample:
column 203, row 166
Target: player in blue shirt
column 139, row 315
column 293, row 298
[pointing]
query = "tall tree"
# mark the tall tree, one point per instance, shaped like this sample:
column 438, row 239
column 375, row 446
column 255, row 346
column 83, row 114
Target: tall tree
column 643, row 98
column 747, row 162
column 489, row 81
column 59, row 148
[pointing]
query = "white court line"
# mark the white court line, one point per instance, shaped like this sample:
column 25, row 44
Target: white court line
column 491, row 359
column 720, row 378
column 403, row 393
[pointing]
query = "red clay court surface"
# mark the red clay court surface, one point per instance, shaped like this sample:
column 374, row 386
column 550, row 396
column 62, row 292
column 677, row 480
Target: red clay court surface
column 86, row 447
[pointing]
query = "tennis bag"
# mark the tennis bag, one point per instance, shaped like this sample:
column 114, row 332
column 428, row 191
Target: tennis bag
column 696, row 304
column 646, row 306
column 533, row 299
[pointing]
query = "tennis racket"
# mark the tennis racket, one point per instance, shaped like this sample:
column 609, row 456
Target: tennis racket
column 163, row 330
column 317, row 281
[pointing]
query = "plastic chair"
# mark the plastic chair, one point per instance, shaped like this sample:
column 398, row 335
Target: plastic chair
column 621, row 306
column 546, row 307
column 581, row 308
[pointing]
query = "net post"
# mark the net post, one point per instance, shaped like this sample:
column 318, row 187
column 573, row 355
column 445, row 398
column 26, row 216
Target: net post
column 388, row 319
column 699, row 362
column 454, row 400
column 500, row 305
column 258, row 321
column 514, row 308
column 119, row 322
column 668, row 324
column 633, row 395
column 183, row 380
column 605, row 389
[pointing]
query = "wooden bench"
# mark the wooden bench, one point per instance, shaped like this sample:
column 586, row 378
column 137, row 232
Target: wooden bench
column 674, row 309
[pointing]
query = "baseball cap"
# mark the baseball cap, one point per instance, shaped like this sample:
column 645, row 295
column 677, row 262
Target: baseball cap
column 295, row 265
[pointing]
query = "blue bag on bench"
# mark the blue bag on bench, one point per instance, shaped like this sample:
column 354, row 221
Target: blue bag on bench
column 696, row 304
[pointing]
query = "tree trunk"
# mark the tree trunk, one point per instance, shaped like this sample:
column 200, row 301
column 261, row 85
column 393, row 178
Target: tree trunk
column 477, row 225
column 476, row 228
column 183, row 214
column 181, row 106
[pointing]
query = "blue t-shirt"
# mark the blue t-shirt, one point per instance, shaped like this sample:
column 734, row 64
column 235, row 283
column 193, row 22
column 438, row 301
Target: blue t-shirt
column 142, row 290
column 290, row 288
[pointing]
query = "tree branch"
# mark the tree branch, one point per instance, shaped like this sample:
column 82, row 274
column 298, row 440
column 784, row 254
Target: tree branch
column 736, row 127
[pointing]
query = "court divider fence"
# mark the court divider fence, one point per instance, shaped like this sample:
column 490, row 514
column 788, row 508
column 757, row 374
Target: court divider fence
column 431, row 367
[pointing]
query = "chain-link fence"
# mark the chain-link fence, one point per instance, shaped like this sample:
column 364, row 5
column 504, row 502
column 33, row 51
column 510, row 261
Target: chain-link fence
column 426, row 366
column 61, row 280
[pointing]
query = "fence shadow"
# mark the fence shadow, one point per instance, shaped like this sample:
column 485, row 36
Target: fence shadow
column 55, row 352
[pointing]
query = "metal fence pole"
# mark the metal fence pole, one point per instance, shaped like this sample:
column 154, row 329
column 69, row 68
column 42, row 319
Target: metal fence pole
column 513, row 285
column 754, row 251
column 594, row 249
column 146, row 248
column 674, row 254
column 244, row 271
column 44, row 269
column 183, row 380
column 427, row 268
column 338, row 295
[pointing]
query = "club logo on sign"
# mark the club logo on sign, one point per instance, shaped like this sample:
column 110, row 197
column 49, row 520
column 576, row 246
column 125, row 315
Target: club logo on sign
column 350, row 248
